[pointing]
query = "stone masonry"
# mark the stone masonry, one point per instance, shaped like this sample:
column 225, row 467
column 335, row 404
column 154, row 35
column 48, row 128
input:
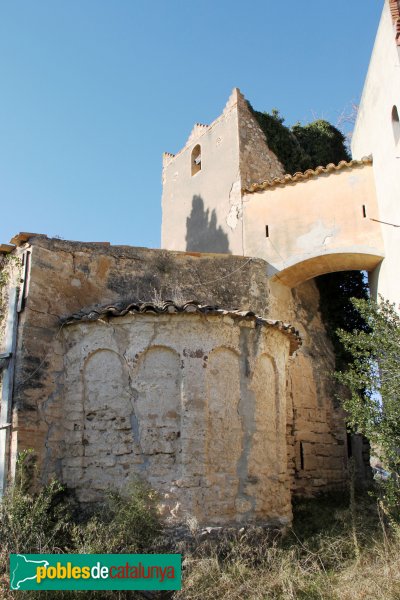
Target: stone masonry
column 221, row 414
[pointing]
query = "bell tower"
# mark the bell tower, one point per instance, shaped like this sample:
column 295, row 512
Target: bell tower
column 202, row 184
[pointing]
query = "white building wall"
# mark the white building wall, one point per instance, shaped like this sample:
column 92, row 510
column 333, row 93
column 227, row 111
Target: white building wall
column 374, row 135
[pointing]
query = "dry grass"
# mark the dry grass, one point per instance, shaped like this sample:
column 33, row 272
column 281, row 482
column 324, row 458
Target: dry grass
column 319, row 559
column 333, row 552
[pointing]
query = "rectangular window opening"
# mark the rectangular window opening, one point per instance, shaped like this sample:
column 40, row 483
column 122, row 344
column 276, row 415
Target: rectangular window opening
column 301, row 456
column 266, row 231
column 349, row 446
column 364, row 208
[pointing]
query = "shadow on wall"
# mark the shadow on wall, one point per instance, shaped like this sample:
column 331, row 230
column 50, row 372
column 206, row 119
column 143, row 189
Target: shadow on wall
column 202, row 232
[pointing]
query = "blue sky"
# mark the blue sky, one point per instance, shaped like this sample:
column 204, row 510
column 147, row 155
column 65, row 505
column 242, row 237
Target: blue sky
column 93, row 92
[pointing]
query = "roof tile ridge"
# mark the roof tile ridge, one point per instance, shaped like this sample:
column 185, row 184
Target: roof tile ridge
column 191, row 307
column 308, row 174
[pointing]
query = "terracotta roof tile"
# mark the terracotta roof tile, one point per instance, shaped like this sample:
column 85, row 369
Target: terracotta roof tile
column 6, row 248
column 291, row 179
column 168, row 307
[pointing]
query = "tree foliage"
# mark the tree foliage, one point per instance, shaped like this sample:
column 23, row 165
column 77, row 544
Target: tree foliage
column 373, row 378
column 302, row 147
column 322, row 142
column 283, row 142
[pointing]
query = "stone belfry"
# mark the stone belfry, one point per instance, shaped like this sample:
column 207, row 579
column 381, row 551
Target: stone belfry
column 202, row 184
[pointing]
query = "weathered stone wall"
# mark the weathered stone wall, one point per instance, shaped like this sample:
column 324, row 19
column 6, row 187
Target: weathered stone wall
column 68, row 276
column 316, row 433
column 257, row 162
column 195, row 404
column 65, row 374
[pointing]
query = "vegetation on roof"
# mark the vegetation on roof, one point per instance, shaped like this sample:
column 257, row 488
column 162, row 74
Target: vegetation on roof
column 302, row 147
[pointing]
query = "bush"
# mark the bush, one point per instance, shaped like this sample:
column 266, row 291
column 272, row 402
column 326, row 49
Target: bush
column 302, row 147
column 50, row 522
column 32, row 523
column 128, row 522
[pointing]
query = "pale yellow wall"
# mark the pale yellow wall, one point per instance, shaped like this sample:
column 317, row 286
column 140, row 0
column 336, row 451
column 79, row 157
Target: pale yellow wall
column 374, row 134
column 315, row 226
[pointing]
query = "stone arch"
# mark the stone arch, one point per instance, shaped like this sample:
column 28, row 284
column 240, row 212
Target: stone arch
column 303, row 269
column 319, row 222
column 224, row 433
column 158, row 411
column 106, row 381
column 107, row 438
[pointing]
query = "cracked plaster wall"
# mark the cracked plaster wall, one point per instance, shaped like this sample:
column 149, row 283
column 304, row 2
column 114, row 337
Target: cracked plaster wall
column 315, row 226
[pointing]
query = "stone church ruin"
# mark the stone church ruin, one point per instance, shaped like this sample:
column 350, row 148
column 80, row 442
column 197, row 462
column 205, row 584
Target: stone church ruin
column 204, row 367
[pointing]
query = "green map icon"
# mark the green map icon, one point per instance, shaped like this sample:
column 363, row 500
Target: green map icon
column 24, row 569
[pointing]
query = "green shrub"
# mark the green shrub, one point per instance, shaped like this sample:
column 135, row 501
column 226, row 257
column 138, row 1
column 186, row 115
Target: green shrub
column 372, row 377
column 49, row 521
column 128, row 522
column 302, row 147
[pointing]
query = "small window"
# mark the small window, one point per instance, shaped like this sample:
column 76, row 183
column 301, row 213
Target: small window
column 396, row 124
column 301, row 456
column 349, row 445
column 196, row 159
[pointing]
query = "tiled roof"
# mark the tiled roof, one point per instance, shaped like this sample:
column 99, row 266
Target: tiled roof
column 168, row 307
column 290, row 179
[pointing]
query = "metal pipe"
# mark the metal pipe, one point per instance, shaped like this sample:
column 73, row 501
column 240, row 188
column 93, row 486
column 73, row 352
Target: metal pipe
column 8, row 364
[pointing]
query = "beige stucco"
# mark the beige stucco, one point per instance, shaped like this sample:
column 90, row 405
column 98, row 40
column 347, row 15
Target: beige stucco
column 202, row 212
column 315, row 226
column 374, row 135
